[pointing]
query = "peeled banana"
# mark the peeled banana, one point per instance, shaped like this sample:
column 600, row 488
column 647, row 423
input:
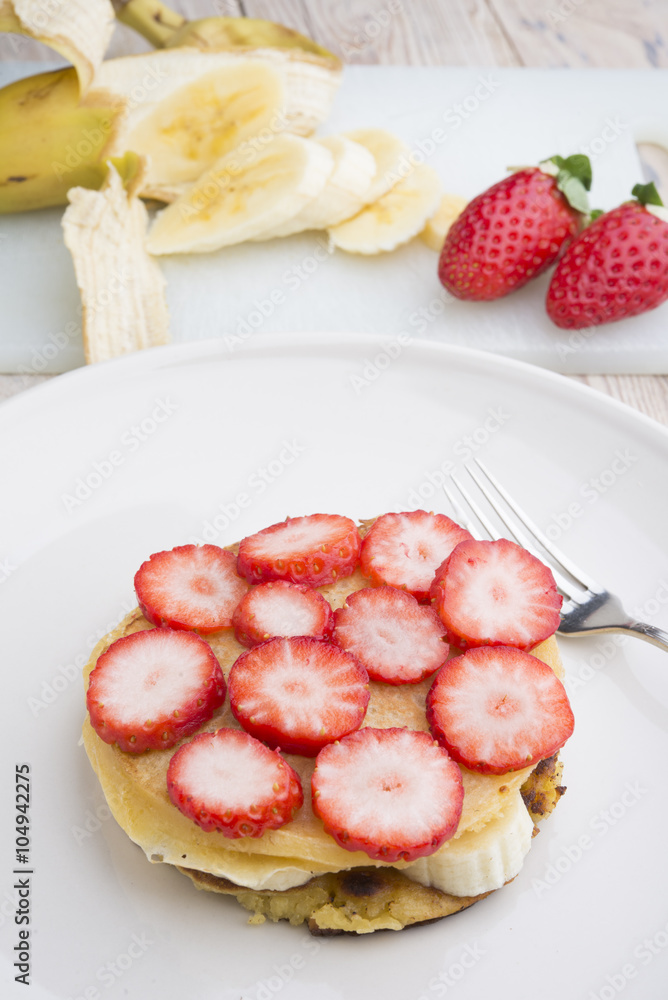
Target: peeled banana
column 479, row 861
column 344, row 193
column 79, row 30
column 394, row 218
column 389, row 152
column 247, row 193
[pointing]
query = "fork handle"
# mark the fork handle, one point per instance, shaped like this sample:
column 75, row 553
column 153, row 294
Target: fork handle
column 650, row 633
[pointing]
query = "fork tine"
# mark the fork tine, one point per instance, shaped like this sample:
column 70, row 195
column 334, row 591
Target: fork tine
column 460, row 514
column 555, row 554
column 565, row 586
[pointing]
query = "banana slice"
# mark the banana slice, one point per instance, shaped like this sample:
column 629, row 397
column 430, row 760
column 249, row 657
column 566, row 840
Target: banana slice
column 79, row 30
column 479, row 862
column 394, row 218
column 243, row 196
column 122, row 289
column 187, row 109
column 434, row 233
column 390, row 153
column 344, row 193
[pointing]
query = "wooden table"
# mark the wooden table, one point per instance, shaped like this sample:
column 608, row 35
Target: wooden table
column 576, row 33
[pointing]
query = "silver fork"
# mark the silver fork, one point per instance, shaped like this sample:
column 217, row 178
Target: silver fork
column 588, row 607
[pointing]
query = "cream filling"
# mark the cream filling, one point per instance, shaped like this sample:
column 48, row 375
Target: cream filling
column 478, row 861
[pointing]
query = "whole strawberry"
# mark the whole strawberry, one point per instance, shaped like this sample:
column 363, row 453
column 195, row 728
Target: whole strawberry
column 516, row 229
column 618, row 267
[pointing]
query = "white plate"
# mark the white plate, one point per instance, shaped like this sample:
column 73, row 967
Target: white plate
column 173, row 439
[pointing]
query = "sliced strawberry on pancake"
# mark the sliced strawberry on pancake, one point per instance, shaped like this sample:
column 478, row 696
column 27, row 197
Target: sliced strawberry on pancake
column 230, row 782
column 398, row 640
column 298, row 693
column 190, row 587
column 282, row 608
column 497, row 709
column 316, row 549
column 405, row 550
column 392, row 793
column 496, row 594
column 152, row 688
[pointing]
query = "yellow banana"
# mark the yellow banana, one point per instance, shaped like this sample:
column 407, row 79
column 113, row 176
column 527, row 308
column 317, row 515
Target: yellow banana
column 163, row 28
column 50, row 140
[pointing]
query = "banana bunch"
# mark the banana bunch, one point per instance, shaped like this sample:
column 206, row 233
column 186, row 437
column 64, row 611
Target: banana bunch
column 183, row 106
column 359, row 187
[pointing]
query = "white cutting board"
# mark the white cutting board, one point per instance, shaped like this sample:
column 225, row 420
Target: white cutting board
column 488, row 120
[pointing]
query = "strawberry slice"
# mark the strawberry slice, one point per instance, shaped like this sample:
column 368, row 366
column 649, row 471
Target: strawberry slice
column 392, row 793
column 498, row 709
column 398, row 640
column 190, row 587
column 282, row 608
column 316, row 549
column 298, row 693
column 405, row 550
column 151, row 688
column 229, row 782
column 496, row 594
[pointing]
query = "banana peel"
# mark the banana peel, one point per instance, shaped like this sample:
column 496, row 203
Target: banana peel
column 51, row 140
column 122, row 288
column 79, row 30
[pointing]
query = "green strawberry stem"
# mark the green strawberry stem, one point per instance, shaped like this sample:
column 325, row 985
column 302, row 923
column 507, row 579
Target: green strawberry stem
column 573, row 176
column 647, row 194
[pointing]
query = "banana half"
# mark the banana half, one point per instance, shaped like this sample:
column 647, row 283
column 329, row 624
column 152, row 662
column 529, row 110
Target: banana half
column 186, row 108
column 251, row 191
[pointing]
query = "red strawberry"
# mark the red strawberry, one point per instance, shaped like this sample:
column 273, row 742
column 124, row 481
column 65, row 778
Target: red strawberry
column 398, row 640
column 496, row 594
column 498, row 709
column 618, row 267
column 190, row 587
column 298, row 693
column 282, row 608
column 151, row 688
column 229, row 782
column 516, row 229
column 316, row 549
column 405, row 550
column 392, row 793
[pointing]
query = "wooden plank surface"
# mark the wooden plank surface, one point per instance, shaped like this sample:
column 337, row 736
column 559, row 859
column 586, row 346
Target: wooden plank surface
column 556, row 33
